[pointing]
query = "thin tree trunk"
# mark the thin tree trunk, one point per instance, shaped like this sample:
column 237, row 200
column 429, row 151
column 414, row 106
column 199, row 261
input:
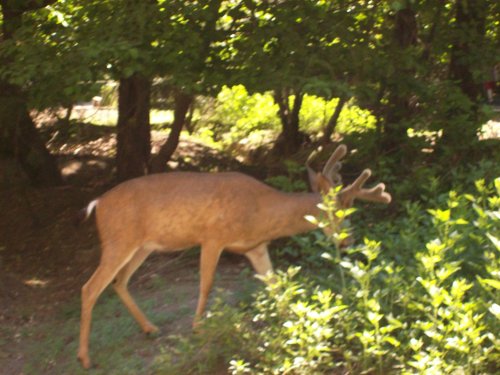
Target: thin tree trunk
column 188, row 123
column 428, row 40
column 470, row 15
column 398, row 108
column 63, row 124
column 182, row 103
column 133, row 130
column 290, row 138
column 69, row 111
column 332, row 122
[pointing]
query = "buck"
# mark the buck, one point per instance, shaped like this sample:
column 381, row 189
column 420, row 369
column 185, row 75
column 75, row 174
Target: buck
column 217, row 211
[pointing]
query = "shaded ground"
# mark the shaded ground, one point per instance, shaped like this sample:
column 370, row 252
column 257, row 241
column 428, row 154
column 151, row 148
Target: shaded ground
column 45, row 259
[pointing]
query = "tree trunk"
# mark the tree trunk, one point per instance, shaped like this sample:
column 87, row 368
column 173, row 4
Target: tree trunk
column 471, row 16
column 332, row 122
column 188, row 123
column 461, row 133
column 20, row 139
column 398, row 108
column 18, row 135
column 182, row 103
column 291, row 138
column 133, row 130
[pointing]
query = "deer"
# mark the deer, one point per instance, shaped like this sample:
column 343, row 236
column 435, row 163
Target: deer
column 217, row 211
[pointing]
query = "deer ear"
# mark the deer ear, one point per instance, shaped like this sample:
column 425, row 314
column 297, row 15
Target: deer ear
column 324, row 183
column 318, row 181
column 313, row 179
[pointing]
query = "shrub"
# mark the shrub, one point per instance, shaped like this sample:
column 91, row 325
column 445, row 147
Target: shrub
column 426, row 300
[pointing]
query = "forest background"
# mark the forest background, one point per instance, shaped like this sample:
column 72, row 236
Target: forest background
column 97, row 92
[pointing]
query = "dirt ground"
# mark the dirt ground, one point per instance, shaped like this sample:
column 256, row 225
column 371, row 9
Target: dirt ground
column 45, row 258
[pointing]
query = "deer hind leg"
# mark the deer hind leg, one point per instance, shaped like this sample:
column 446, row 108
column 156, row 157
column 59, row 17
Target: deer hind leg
column 259, row 258
column 120, row 285
column 105, row 273
column 208, row 263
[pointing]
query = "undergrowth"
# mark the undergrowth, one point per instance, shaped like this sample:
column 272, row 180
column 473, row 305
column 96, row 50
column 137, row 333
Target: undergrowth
column 420, row 294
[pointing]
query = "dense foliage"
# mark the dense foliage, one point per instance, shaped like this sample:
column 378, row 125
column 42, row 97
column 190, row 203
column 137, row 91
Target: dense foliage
column 413, row 65
column 423, row 297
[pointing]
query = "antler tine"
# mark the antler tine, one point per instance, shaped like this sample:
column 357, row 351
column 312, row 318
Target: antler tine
column 338, row 154
column 348, row 194
column 355, row 190
column 375, row 194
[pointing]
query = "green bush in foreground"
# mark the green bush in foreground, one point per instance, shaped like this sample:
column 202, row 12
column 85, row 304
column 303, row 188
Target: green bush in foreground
column 434, row 309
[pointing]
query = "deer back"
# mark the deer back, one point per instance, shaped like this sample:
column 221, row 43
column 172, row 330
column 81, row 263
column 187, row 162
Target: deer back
column 182, row 209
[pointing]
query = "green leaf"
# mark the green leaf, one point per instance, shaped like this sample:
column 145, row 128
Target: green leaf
column 397, row 6
column 441, row 215
column 491, row 282
column 393, row 341
column 495, row 240
column 435, row 247
column 445, row 272
column 326, row 256
column 374, row 317
column 134, row 53
column 495, row 310
column 497, row 185
column 311, row 219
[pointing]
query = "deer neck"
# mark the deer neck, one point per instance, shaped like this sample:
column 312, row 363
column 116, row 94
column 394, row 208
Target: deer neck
column 288, row 218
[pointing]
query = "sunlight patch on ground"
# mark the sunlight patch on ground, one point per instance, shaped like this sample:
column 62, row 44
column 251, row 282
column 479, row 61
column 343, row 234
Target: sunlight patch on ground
column 71, row 168
column 36, row 283
column 490, row 130
column 109, row 116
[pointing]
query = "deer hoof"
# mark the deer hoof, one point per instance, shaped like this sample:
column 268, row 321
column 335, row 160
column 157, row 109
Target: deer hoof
column 85, row 361
column 196, row 324
column 152, row 330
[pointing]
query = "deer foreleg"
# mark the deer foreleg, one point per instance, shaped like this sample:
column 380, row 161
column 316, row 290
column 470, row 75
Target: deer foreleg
column 208, row 263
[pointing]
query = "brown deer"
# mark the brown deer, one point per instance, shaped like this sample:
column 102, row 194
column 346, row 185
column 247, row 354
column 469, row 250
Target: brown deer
column 217, row 211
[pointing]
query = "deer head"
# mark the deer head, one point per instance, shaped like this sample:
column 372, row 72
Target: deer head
column 330, row 177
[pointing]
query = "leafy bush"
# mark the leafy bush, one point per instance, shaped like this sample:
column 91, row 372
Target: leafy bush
column 292, row 181
column 218, row 339
column 290, row 330
column 316, row 111
column 423, row 299
column 239, row 115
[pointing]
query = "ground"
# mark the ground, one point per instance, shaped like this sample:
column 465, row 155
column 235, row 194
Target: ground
column 45, row 259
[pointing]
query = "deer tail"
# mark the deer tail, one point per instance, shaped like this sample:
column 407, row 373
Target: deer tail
column 85, row 212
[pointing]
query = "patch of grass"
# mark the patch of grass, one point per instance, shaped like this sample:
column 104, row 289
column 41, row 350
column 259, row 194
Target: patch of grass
column 117, row 345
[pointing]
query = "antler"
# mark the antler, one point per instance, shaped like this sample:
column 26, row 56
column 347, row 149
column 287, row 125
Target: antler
column 330, row 177
column 332, row 166
column 355, row 191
